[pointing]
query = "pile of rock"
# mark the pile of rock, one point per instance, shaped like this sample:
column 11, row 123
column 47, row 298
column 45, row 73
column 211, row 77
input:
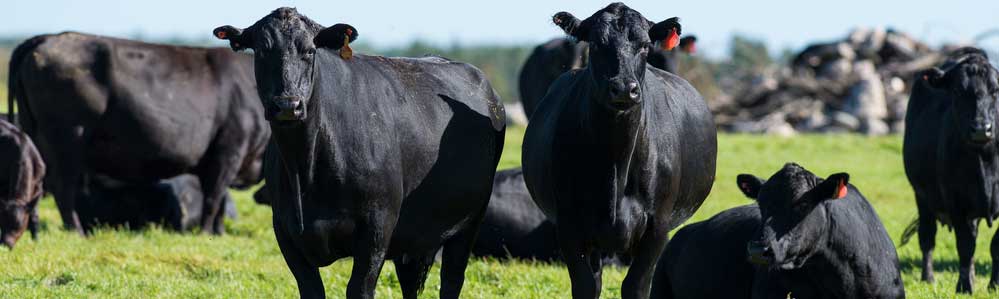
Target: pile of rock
column 859, row 84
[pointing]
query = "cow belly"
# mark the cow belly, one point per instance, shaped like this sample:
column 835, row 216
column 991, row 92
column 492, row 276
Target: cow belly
column 146, row 151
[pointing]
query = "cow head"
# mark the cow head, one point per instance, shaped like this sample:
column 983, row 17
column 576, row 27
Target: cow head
column 688, row 44
column 794, row 219
column 15, row 218
column 284, row 44
column 972, row 84
column 619, row 39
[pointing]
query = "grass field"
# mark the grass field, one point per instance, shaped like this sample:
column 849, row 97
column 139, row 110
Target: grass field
column 246, row 263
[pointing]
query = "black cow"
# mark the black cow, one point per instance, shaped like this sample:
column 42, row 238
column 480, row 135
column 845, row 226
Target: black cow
column 619, row 152
column 557, row 56
column 708, row 259
column 138, row 112
column 380, row 157
column 820, row 238
column 176, row 203
column 21, row 173
column 951, row 157
column 514, row 226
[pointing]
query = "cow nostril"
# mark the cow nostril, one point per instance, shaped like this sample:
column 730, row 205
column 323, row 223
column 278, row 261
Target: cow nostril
column 633, row 90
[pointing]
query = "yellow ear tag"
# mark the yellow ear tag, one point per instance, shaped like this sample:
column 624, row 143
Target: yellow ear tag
column 345, row 51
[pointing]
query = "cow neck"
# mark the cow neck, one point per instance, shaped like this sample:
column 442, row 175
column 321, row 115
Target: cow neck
column 618, row 136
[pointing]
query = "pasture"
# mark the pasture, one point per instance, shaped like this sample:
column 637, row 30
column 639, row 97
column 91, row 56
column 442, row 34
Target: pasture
column 246, row 263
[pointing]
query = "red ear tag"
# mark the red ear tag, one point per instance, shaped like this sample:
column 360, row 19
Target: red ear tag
column 220, row 35
column 840, row 190
column 672, row 40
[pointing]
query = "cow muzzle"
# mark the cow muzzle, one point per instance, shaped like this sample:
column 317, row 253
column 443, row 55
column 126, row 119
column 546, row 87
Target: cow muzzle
column 288, row 108
column 624, row 96
column 759, row 253
column 981, row 133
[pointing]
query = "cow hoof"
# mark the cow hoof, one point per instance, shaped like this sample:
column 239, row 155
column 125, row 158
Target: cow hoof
column 928, row 278
column 964, row 287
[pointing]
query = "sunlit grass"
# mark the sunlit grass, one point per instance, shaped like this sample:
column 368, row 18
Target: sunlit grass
column 246, row 263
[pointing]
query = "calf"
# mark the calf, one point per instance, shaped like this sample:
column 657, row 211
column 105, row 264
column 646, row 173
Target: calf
column 380, row 158
column 708, row 259
column 820, row 238
column 951, row 157
column 513, row 225
column 176, row 203
column 618, row 153
column 21, row 173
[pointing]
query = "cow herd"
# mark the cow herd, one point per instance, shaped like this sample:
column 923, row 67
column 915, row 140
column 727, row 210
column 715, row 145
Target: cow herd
column 380, row 158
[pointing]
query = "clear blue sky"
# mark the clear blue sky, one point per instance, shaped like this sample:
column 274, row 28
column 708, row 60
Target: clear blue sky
column 781, row 23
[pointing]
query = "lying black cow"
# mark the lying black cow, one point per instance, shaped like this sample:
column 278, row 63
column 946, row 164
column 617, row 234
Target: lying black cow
column 174, row 203
column 21, row 173
column 619, row 153
column 137, row 111
column 951, row 157
column 380, row 157
column 514, row 226
column 708, row 259
column 820, row 238
column 557, row 56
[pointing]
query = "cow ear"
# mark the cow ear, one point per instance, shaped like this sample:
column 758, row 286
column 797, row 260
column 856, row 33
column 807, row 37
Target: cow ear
column 337, row 37
column 749, row 185
column 834, row 187
column 571, row 25
column 666, row 33
column 234, row 35
column 934, row 77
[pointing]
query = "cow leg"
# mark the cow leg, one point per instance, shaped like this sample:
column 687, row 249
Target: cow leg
column 927, row 240
column 310, row 283
column 584, row 284
column 457, row 250
column 369, row 257
column 994, row 282
column 966, row 231
column 412, row 272
column 216, row 174
column 67, row 153
column 638, row 282
column 33, row 223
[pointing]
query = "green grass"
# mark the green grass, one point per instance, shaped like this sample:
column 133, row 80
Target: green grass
column 246, row 263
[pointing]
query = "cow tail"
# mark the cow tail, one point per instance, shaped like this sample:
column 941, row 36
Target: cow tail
column 13, row 78
column 909, row 231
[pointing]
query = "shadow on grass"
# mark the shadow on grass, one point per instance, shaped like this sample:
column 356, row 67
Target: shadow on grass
column 983, row 267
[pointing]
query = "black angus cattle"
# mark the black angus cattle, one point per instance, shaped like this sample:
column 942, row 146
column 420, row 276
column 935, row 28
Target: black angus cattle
column 138, row 112
column 820, row 238
column 708, row 259
column 619, row 152
column 21, row 173
column 514, row 226
column 380, row 157
column 175, row 203
column 951, row 157
column 557, row 56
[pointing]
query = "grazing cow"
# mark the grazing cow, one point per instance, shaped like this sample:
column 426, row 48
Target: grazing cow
column 139, row 112
column 380, row 157
column 708, row 259
column 820, row 238
column 21, row 173
column 620, row 153
column 951, row 157
column 557, row 56
column 176, row 203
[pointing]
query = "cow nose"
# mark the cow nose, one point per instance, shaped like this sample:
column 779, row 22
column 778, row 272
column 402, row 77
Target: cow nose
column 288, row 108
column 625, row 93
column 981, row 132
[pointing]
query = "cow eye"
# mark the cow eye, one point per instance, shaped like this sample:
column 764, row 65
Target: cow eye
column 311, row 51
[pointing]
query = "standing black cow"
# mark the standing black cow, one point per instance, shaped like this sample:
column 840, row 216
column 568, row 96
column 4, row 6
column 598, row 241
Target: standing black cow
column 21, row 173
column 619, row 152
column 708, row 259
column 176, row 203
column 557, row 56
column 380, row 157
column 951, row 157
column 137, row 112
column 820, row 238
